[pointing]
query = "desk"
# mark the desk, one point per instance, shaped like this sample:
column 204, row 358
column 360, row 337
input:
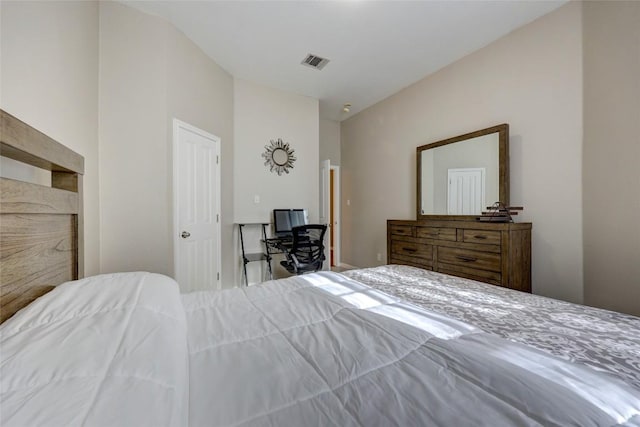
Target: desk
column 257, row 256
column 278, row 245
column 272, row 246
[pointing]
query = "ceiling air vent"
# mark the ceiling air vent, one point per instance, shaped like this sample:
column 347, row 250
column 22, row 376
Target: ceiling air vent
column 314, row 61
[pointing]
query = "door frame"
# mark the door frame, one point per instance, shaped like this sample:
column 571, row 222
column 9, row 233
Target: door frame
column 177, row 124
column 335, row 203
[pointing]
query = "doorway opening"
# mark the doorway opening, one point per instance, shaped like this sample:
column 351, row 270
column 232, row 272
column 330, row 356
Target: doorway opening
column 334, row 215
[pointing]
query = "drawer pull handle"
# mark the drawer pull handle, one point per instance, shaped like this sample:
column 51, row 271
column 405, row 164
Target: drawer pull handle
column 480, row 237
column 466, row 258
column 409, row 250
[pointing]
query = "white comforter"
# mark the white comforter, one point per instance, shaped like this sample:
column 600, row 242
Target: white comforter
column 312, row 350
column 107, row 350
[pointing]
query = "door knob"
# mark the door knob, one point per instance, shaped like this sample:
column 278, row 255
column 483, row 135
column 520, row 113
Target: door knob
column 185, row 234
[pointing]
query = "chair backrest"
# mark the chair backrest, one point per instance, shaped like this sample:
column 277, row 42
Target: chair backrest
column 308, row 246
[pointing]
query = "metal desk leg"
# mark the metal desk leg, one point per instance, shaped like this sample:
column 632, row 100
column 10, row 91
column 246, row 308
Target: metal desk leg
column 245, row 261
column 266, row 250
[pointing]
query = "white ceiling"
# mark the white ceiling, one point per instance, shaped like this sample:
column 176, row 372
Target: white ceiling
column 376, row 48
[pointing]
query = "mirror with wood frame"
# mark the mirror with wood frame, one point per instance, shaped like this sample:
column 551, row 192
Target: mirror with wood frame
column 459, row 177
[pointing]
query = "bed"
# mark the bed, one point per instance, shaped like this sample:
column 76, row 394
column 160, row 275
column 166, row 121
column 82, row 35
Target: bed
column 319, row 349
column 41, row 227
column 391, row 345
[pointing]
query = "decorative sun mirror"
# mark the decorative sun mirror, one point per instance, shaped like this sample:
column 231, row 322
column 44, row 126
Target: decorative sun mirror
column 279, row 156
column 460, row 176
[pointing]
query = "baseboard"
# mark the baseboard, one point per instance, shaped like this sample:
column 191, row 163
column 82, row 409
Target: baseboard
column 349, row 266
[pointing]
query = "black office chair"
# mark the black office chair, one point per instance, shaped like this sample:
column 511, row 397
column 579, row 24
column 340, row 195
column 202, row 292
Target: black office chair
column 307, row 250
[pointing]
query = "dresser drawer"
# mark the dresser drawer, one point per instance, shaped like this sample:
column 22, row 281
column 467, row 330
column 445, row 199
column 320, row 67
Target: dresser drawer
column 410, row 249
column 436, row 233
column 401, row 230
column 413, row 262
column 497, row 253
column 486, row 276
column 469, row 258
column 486, row 237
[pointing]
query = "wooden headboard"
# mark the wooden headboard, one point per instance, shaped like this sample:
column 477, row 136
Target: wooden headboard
column 40, row 227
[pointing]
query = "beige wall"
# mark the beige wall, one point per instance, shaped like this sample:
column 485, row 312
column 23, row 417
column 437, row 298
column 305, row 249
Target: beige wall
column 330, row 141
column 199, row 92
column 262, row 114
column 330, row 149
column 149, row 73
column 531, row 79
column 612, row 155
column 54, row 60
column 49, row 79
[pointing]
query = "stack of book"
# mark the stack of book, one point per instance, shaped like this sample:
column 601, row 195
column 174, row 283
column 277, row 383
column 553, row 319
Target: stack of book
column 498, row 212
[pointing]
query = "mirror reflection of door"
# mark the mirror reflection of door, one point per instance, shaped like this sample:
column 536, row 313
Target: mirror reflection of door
column 466, row 191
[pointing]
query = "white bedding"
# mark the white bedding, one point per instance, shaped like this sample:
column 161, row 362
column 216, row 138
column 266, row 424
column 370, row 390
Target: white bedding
column 318, row 349
column 109, row 350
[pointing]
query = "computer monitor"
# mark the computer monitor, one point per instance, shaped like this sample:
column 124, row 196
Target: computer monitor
column 285, row 219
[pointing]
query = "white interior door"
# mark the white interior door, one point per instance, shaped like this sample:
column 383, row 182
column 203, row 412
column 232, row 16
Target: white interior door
column 196, row 184
column 466, row 191
column 325, row 204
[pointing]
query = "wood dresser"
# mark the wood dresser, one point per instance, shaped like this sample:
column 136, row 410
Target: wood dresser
column 496, row 253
